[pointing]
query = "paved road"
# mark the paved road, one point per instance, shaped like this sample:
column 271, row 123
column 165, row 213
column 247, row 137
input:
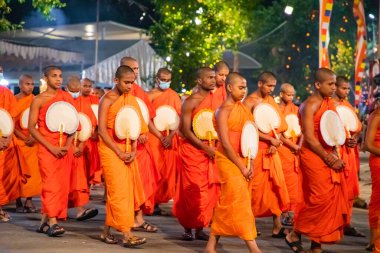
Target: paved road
column 18, row 235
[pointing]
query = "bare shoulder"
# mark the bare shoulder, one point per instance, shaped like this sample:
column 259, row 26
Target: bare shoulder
column 224, row 109
column 311, row 104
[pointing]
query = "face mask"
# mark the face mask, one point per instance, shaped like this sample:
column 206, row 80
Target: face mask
column 164, row 85
column 74, row 94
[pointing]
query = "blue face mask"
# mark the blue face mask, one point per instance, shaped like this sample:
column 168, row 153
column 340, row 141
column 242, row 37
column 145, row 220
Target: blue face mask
column 164, row 85
column 75, row 95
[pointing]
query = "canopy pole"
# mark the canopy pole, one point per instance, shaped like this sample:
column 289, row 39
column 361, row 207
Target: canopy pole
column 97, row 41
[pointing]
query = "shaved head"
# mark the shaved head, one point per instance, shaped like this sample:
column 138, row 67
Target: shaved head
column 233, row 78
column 221, row 65
column 125, row 60
column 287, row 87
column 73, row 84
column 203, row 71
column 132, row 63
column 322, row 74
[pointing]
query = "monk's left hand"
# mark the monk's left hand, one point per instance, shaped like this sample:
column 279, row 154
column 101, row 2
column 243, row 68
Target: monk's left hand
column 351, row 142
column 143, row 138
column 166, row 141
column 30, row 141
column 129, row 157
column 4, row 142
column 78, row 151
column 247, row 173
column 271, row 150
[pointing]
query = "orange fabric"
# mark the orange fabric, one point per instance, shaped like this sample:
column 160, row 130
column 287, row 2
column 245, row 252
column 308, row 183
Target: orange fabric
column 197, row 184
column 324, row 210
column 125, row 193
column 269, row 192
column 33, row 185
column 165, row 159
column 220, row 94
column 149, row 173
column 55, row 172
column 290, row 163
column 233, row 214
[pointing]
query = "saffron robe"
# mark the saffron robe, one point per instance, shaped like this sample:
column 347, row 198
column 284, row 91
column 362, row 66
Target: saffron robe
column 233, row 214
column 324, row 192
column 220, row 94
column 125, row 193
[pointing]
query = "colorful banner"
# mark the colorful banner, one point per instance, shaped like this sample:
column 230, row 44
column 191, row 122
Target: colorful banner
column 361, row 48
column 325, row 9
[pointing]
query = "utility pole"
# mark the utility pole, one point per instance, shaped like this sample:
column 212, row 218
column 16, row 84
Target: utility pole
column 97, row 41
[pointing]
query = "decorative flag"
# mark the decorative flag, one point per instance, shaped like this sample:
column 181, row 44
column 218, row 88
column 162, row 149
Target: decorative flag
column 361, row 48
column 325, row 9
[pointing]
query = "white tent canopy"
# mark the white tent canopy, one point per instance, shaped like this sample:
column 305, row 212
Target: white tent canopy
column 149, row 63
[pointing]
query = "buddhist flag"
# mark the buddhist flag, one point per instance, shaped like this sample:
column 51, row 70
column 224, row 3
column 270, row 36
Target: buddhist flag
column 325, row 9
column 361, row 48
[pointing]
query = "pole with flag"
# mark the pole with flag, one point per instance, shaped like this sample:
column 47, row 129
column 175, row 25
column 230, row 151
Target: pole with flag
column 325, row 9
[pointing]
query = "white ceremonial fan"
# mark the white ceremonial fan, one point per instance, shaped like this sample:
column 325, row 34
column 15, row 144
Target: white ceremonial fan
column 249, row 143
column 144, row 110
column 86, row 127
column 294, row 128
column 6, row 124
column 203, row 125
column 24, row 118
column 127, row 125
column 266, row 118
column 349, row 119
column 95, row 109
column 166, row 119
column 332, row 129
column 62, row 117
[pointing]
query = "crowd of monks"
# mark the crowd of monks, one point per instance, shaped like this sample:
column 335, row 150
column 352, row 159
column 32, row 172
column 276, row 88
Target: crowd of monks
column 300, row 182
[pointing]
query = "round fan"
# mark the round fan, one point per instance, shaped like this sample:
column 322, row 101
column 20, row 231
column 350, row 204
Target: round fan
column 332, row 129
column 24, row 119
column 6, row 124
column 203, row 126
column 62, row 116
column 266, row 117
column 95, row 109
column 294, row 128
column 144, row 110
column 127, row 123
column 249, row 140
column 86, row 127
column 166, row 118
column 348, row 117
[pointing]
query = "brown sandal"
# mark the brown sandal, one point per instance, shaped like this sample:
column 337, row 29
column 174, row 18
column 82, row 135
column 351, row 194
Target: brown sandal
column 146, row 227
column 133, row 242
column 4, row 216
column 109, row 239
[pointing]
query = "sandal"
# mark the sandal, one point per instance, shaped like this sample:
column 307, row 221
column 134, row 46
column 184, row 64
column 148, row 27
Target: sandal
column 55, row 230
column 88, row 214
column 109, row 239
column 133, row 242
column 202, row 236
column 370, row 247
column 42, row 228
column 146, row 227
column 30, row 209
column 352, row 231
column 280, row 234
column 4, row 216
column 296, row 244
column 187, row 236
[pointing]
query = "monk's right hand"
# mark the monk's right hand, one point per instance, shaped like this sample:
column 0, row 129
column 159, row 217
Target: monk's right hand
column 338, row 165
column 210, row 152
column 142, row 138
column 330, row 159
column 247, row 173
column 275, row 142
column 58, row 152
column 29, row 141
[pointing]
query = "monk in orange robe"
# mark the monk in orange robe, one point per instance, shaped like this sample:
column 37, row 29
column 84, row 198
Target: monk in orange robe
column 28, row 147
column 233, row 213
column 348, row 153
column 289, row 154
column 14, row 172
column 269, row 193
column 149, row 173
column 221, row 72
column 91, row 152
column 324, row 210
column 54, row 161
column 197, row 185
column 79, row 194
column 125, row 193
column 164, row 149
column 372, row 144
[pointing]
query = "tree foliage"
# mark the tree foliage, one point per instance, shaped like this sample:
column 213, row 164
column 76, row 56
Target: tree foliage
column 43, row 6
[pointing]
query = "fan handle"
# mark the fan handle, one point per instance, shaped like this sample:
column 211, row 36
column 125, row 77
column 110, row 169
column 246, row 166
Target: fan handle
column 1, row 136
column 274, row 131
column 60, row 134
column 76, row 139
column 209, row 137
column 128, row 143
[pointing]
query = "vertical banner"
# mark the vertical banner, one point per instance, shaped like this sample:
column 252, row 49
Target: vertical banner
column 325, row 9
column 361, row 48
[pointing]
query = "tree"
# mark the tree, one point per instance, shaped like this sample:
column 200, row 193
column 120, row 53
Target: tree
column 190, row 34
column 43, row 6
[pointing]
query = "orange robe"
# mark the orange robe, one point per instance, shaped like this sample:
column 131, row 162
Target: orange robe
column 79, row 182
column 13, row 169
column 197, row 184
column 374, row 204
column 33, row 185
column 220, row 95
column 323, row 212
column 55, row 172
column 349, row 157
column 165, row 159
column 290, row 163
column 269, row 192
column 91, row 151
column 233, row 214
column 125, row 193
column 149, row 173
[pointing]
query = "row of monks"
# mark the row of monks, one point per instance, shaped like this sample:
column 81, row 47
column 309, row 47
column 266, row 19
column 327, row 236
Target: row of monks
column 299, row 181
